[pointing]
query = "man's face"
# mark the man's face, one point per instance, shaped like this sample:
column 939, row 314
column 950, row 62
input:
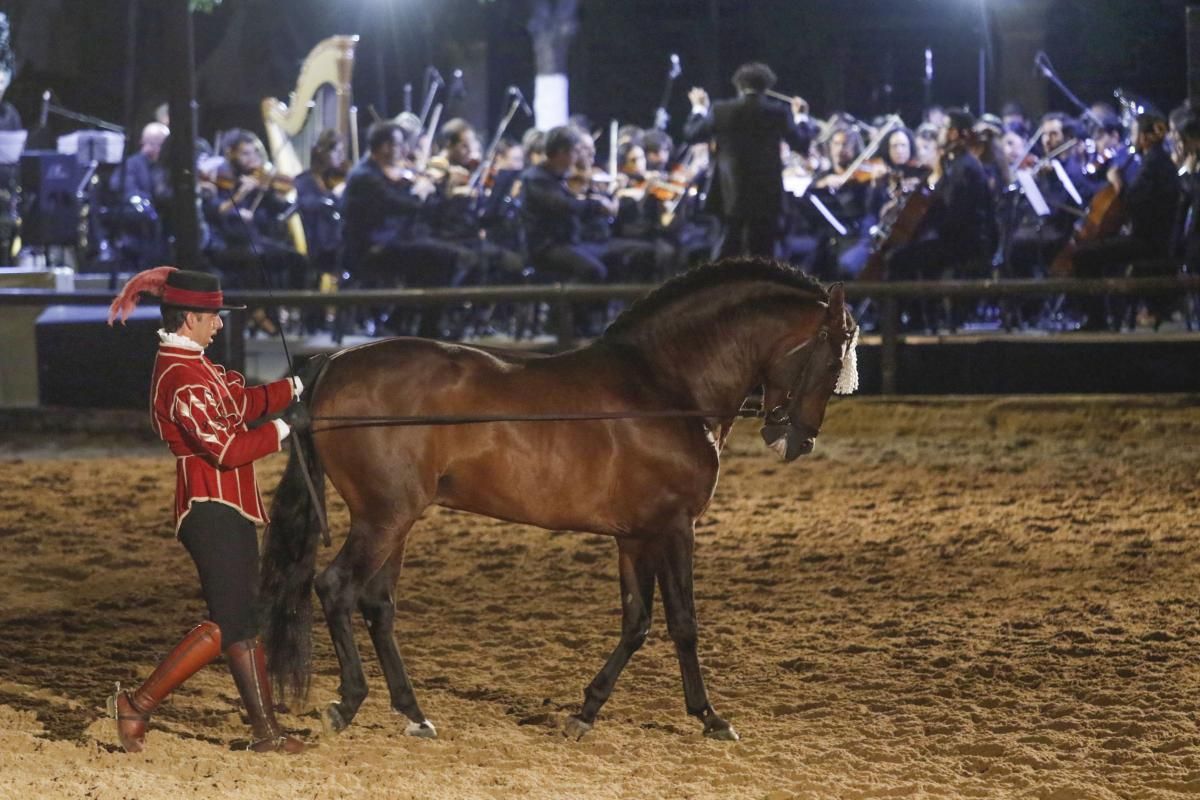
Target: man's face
column 1014, row 146
column 466, row 150
column 561, row 161
column 202, row 326
column 947, row 135
column 843, row 151
column 585, row 152
column 246, row 158
column 656, row 159
column 635, row 162
column 1052, row 135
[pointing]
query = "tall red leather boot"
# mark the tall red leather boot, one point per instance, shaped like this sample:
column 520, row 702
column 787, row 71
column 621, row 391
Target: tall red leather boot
column 132, row 710
column 248, row 663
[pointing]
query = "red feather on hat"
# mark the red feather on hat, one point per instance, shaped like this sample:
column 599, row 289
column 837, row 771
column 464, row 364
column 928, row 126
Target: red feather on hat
column 150, row 281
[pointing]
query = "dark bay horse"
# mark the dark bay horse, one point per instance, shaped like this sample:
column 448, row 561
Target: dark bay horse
column 700, row 343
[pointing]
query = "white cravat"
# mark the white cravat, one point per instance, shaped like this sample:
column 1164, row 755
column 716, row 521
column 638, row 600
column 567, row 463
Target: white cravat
column 175, row 340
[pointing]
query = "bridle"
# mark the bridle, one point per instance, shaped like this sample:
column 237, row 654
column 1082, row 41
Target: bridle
column 799, row 362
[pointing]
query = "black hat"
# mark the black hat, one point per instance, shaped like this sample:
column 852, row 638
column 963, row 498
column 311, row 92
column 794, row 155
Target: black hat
column 181, row 288
column 195, row 291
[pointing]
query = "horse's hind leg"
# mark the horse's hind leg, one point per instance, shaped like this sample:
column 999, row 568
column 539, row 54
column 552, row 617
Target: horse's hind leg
column 675, row 580
column 366, row 550
column 378, row 607
column 637, row 564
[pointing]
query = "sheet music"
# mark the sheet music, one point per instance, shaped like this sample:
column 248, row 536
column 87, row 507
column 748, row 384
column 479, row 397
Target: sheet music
column 1066, row 182
column 12, row 143
column 1032, row 193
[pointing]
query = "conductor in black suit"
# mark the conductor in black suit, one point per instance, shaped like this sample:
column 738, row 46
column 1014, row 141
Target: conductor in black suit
column 749, row 170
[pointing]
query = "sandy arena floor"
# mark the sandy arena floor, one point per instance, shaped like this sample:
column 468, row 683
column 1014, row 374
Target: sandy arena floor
column 949, row 599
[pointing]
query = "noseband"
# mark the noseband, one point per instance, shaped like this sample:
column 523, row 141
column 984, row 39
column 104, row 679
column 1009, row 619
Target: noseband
column 800, row 360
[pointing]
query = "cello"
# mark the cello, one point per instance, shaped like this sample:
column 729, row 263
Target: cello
column 1105, row 217
column 897, row 228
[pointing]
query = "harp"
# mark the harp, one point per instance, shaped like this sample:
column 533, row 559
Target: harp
column 321, row 100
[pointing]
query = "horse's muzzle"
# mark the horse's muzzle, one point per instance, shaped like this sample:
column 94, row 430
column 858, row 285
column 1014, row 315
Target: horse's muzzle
column 787, row 441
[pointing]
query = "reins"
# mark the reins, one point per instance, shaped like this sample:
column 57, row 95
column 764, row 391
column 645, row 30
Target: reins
column 340, row 422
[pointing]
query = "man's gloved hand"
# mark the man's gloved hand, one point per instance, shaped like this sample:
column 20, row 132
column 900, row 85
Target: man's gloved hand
column 297, row 417
column 308, row 373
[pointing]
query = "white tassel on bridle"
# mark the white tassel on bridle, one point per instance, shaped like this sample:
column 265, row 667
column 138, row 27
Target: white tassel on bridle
column 847, row 382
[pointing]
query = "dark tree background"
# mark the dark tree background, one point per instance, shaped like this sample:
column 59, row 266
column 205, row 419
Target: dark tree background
column 864, row 55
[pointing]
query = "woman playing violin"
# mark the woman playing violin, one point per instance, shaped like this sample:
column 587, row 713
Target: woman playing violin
column 319, row 192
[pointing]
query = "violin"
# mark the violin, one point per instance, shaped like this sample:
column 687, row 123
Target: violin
column 266, row 180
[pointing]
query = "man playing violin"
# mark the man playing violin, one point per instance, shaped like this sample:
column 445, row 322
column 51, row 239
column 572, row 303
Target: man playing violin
column 459, row 205
column 247, row 219
column 384, row 241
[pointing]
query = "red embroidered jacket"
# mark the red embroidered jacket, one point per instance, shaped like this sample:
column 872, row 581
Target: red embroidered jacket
column 200, row 410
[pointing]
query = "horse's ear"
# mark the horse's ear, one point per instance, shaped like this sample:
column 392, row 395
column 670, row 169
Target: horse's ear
column 837, row 299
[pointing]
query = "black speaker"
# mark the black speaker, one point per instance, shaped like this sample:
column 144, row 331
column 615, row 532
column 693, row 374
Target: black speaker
column 1193, row 55
column 49, row 210
column 84, row 363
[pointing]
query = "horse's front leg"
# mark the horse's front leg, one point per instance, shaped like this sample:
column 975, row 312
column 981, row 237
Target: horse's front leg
column 637, row 562
column 675, row 580
column 378, row 607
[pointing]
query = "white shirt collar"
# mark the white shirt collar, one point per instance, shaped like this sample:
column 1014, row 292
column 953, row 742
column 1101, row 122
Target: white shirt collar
column 175, row 340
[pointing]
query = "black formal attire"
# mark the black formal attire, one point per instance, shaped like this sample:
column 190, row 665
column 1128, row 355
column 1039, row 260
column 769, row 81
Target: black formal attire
column 386, row 242
column 1187, row 241
column 244, row 250
column 958, row 232
column 747, row 187
column 321, row 215
column 1151, row 198
column 554, row 220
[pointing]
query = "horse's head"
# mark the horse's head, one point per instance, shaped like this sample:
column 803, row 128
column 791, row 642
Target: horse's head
column 800, row 382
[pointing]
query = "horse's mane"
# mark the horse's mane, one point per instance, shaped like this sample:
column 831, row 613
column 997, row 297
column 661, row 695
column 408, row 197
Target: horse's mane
column 727, row 271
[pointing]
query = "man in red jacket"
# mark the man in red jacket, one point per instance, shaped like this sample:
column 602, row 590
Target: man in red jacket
column 200, row 410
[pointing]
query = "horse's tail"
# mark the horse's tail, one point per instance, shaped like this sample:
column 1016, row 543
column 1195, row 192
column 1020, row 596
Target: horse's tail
column 289, row 564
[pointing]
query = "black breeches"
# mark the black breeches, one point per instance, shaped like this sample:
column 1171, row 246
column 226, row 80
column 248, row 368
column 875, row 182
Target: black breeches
column 224, row 546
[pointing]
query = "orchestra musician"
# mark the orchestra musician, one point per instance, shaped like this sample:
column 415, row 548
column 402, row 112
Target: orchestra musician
column 319, row 191
column 958, row 228
column 140, row 187
column 456, row 214
column 627, row 258
column 139, row 171
column 553, row 215
column 384, row 243
column 1188, row 226
column 1148, row 188
column 247, row 222
column 657, row 147
column 747, row 188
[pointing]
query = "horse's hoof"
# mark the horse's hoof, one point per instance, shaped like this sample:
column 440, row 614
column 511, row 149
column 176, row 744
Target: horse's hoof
column 422, row 730
column 722, row 732
column 575, row 728
column 331, row 720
